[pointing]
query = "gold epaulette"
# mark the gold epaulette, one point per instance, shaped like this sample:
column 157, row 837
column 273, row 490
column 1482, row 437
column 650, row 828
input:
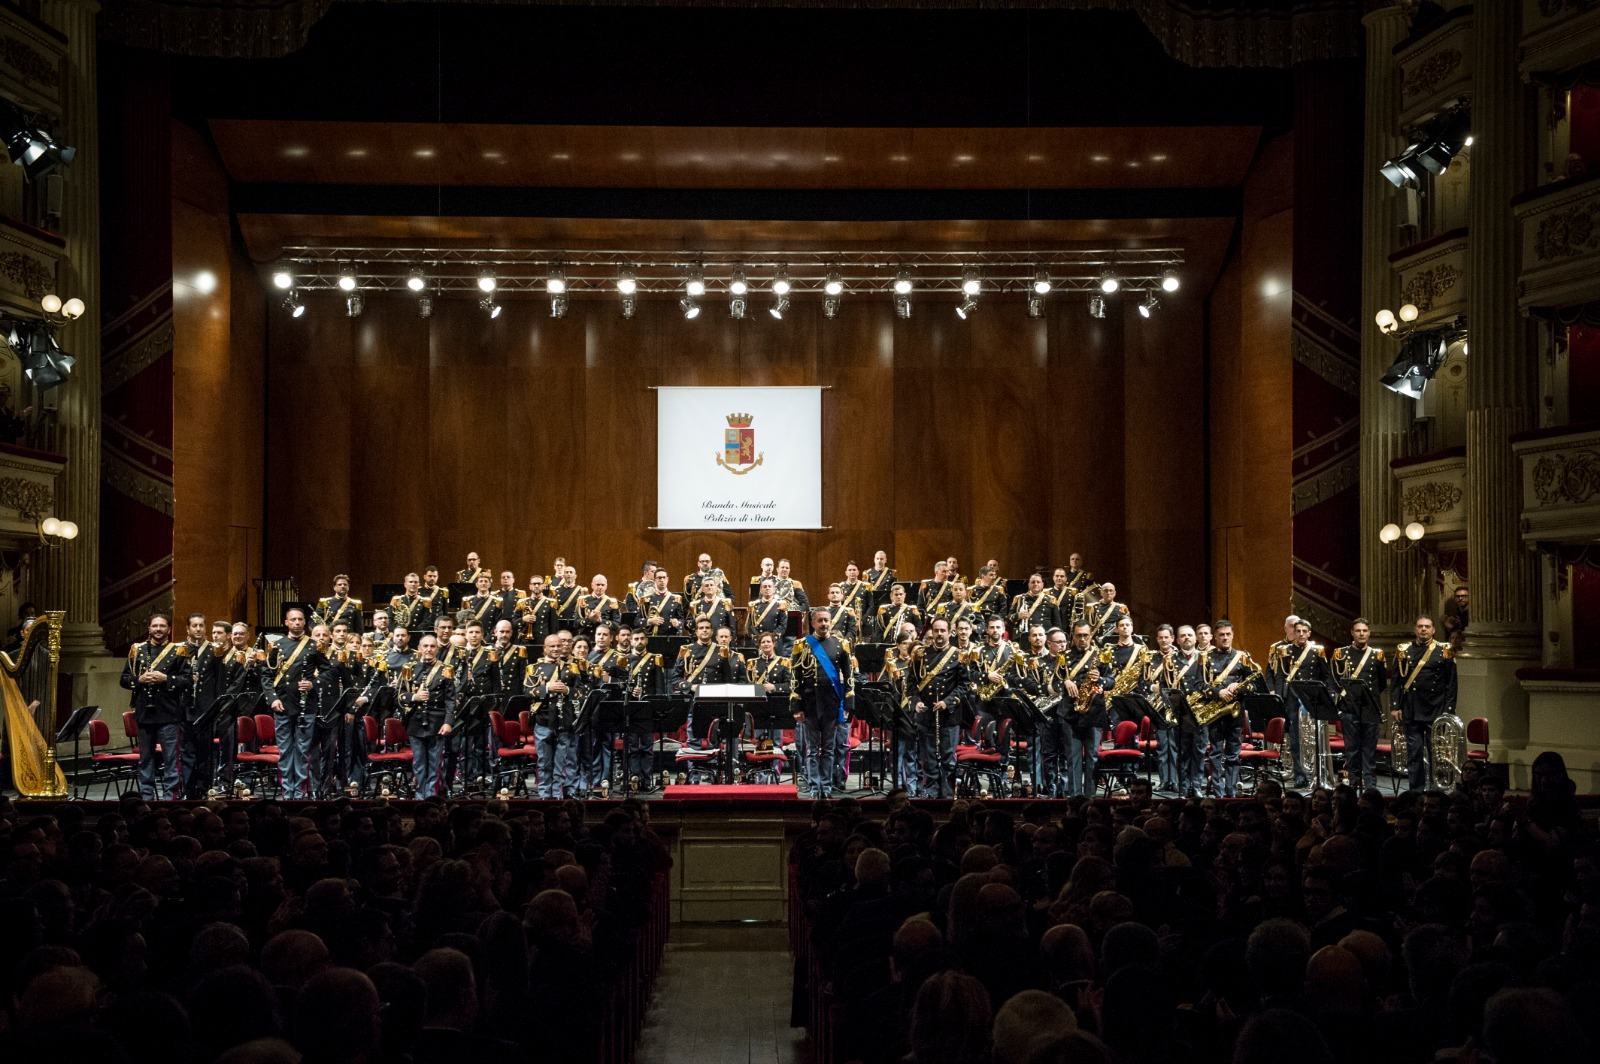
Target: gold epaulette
column 133, row 651
column 181, row 650
column 1378, row 652
column 659, row 662
column 397, row 600
column 683, row 651
column 355, row 602
column 448, row 672
column 1447, row 650
column 219, row 649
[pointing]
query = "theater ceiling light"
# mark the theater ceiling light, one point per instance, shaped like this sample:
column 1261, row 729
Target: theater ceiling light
column 1108, row 281
column 282, row 277
column 347, row 279
column 1149, row 305
column 29, row 144
column 416, row 280
column 1432, row 144
column 691, row 309
column 1041, row 282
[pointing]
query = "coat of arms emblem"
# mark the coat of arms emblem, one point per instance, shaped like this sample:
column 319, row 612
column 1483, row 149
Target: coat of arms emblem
column 739, row 445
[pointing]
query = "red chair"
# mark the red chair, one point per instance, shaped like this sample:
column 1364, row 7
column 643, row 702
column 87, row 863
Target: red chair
column 978, row 762
column 512, row 756
column 705, row 751
column 1478, row 733
column 108, row 767
column 1120, row 761
column 252, row 760
column 392, row 754
column 266, row 734
column 765, row 766
column 1268, row 753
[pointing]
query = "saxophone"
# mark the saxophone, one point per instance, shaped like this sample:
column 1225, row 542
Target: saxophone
column 1215, row 708
column 1088, row 691
column 987, row 690
column 1130, row 675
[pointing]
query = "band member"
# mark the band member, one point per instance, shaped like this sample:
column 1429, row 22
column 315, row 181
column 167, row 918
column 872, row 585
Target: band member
column 483, row 607
column 407, row 610
column 565, row 596
column 711, row 606
column 558, row 569
column 896, row 613
column 469, row 575
column 607, row 664
column 196, row 763
column 240, row 672
column 766, row 615
column 1126, row 663
column 435, row 599
column 988, row 595
column 790, row 591
column 1299, row 659
column 853, row 591
column 844, row 622
column 953, row 570
column 399, row 652
column 380, row 629
column 934, row 593
column 1032, row 679
column 645, row 583
column 1161, row 675
column 510, row 658
column 735, row 659
column 1081, row 589
column 664, row 612
column 509, row 597
column 935, row 683
column 536, row 615
column 769, row 571
column 1288, row 637
column 700, row 662
column 1034, row 606
column 897, row 673
column 647, row 678
column 880, row 576
column 822, row 695
column 1054, row 732
column 1422, row 688
column 1361, row 673
column 450, row 645
column 557, row 683
column 1183, row 671
column 962, row 639
column 158, row 674
column 955, row 608
column 289, row 685
column 477, row 670
column 1202, row 638
column 339, row 606
column 328, row 742
column 992, row 670
column 1087, row 716
column 427, row 695
column 767, row 669
column 1226, row 674
column 706, row 572
column 597, row 608
column 1104, row 613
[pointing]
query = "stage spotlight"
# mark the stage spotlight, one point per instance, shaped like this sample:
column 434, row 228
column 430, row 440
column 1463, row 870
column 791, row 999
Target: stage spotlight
column 902, row 283
column 487, row 282
column 1420, row 357
column 834, row 285
column 556, row 282
column 1150, row 303
column 1169, row 281
column 696, row 284
column 736, row 308
column 691, row 309
column 425, row 307
column 43, row 362
column 965, row 308
column 1041, row 282
column 970, row 284
column 627, row 283
column 737, row 285
column 1432, row 145
column 830, row 307
column 353, row 306
column 347, row 279
column 291, row 303
column 627, row 306
column 902, row 306
column 29, row 145
column 558, row 306
column 779, row 306
column 283, row 277
column 1036, row 306
column 416, row 280
column 1109, row 282
column 1097, row 306
column 780, row 283
column 488, row 304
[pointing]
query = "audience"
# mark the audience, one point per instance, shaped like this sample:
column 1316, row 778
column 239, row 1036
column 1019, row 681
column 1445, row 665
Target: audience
column 340, row 933
column 1331, row 926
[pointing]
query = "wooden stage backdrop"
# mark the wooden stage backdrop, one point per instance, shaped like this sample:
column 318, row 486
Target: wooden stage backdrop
column 394, row 442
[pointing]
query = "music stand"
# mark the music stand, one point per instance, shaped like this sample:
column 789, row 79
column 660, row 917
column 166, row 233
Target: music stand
column 1025, row 721
column 730, row 697
column 1317, row 698
column 667, row 647
column 869, row 656
column 667, row 715
column 876, row 704
column 224, row 707
column 76, row 721
column 771, row 714
column 611, row 718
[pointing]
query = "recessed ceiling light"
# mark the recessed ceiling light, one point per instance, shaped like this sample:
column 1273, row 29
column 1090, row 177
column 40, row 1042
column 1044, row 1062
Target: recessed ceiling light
column 423, row 153
column 560, row 156
column 629, row 156
column 963, row 158
column 493, row 154
column 357, row 153
column 830, row 158
column 1100, row 158
column 297, row 151
column 1133, row 164
column 1158, row 158
column 900, row 158
column 1036, row 158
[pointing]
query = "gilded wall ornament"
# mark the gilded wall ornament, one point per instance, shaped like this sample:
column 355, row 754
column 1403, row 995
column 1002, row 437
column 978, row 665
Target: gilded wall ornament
column 30, row 498
column 1565, row 233
column 1427, row 75
column 1427, row 285
column 1427, row 500
column 1569, row 478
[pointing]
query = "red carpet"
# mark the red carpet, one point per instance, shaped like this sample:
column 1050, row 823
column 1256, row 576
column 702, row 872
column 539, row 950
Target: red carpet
column 721, row 793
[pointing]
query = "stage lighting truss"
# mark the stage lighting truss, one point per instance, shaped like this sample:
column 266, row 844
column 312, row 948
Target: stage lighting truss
column 1029, row 277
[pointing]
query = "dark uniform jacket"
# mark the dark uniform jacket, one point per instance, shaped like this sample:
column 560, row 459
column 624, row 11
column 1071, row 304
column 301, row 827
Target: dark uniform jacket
column 532, row 633
column 773, row 670
column 1041, row 609
column 485, row 609
column 647, row 676
column 811, row 692
column 424, row 719
column 760, row 617
column 162, row 703
column 610, row 613
column 891, row 617
column 331, row 610
column 1423, row 685
column 698, row 664
column 934, row 676
column 205, row 665
column 719, row 613
column 1077, row 666
column 552, row 710
column 1361, row 674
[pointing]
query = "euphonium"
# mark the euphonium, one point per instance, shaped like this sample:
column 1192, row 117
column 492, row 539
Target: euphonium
column 1448, row 752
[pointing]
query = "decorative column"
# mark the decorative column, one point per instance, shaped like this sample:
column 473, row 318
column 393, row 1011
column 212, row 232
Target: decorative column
column 71, row 580
column 1501, row 390
column 1388, row 577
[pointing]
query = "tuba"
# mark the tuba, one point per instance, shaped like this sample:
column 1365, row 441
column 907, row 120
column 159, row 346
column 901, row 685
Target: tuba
column 1447, row 752
column 28, row 686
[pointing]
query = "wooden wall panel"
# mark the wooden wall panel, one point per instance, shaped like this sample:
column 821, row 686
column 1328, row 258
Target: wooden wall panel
column 528, row 437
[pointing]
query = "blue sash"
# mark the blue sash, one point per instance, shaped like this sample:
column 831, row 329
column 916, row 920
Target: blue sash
column 829, row 669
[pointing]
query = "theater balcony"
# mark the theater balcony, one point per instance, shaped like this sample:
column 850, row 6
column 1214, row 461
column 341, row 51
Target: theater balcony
column 1432, row 492
column 1560, row 484
column 1558, row 231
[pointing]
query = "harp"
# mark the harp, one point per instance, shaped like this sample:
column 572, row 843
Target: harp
column 28, row 688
